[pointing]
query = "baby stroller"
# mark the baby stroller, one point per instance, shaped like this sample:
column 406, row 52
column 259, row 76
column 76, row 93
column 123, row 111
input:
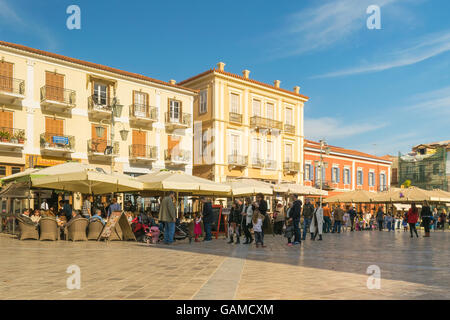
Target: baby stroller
column 139, row 226
column 152, row 234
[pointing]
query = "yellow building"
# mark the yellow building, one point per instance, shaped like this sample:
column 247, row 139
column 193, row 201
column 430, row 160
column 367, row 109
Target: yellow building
column 246, row 128
column 55, row 109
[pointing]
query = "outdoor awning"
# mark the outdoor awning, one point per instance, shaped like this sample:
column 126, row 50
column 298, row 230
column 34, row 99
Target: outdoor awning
column 292, row 188
column 248, row 187
column 355, row 196
column 18, row 190
column 405, row 195
column 179, row 181
column 87, row 179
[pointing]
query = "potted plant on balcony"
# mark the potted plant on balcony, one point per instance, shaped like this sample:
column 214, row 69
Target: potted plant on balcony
column 4, row 136
column 20, row 136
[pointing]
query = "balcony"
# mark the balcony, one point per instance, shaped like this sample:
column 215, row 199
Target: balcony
column 12, row 91
column 257, row 162
column 235, row 117
column 289, row 128
column 143, row 115
column 102, row 149
column 57, row 99
column 264, row 123
column 12, row 139
column 291, row 167
column 237, row 161
column 57, row 144
column 326, row 185
column 177, row 157
column 143, row 153
column 270, row 164
column 99, row 107
column 183, row 121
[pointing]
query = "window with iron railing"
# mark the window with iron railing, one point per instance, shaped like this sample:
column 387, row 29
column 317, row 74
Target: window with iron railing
column 57, row 141
column 143, row 151
column 66, row 96
column 11, row 85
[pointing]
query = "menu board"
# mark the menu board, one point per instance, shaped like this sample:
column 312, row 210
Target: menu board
column 112, row 221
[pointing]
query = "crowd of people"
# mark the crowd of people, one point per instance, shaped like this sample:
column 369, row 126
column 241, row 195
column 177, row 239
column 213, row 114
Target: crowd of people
column 251, row 219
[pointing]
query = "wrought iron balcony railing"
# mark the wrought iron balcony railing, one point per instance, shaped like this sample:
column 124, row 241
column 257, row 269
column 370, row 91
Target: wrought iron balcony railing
column 270, row 164
column 289, row 128
column 235, row 117
column 182, row 119
column 57, row 141
column 265, row 123
column 64, row 96
column 12, row 135
column 238, row 160
column 11, row 85
column 143, row 151
column 141, row 111
column 257, row 162
column 291, row 166
column 177, row 155
column 99, row 103
column 103, row 147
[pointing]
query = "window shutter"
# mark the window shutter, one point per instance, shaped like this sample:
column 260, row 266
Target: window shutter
column 338, row 175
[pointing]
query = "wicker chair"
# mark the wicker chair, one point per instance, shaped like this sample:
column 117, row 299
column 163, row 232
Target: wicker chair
column 28, row 230
column 76, row 229
column 49, row 229
column 94, row 229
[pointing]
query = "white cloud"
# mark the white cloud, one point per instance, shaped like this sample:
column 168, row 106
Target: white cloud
column 322, row 26
column 436, row 100
column 10, row 18
column 331, row 128
column 417, row 51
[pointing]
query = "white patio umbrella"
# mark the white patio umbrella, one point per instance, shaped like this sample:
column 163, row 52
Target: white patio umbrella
column 248, row 187
column 292, row 188
column 79, row 177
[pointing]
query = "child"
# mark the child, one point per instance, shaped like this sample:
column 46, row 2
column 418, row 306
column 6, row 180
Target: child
column 197, row 227
column 405, row 225
column 346, row 221
column 289, row 232
column 257, row 220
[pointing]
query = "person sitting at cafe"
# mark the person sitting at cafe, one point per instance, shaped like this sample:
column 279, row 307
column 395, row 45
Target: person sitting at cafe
column 36, row 216
column 113, row 207
column 76, row 214
column 97, row 216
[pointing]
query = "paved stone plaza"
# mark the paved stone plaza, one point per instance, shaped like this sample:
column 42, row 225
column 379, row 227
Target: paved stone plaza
column 332, row 269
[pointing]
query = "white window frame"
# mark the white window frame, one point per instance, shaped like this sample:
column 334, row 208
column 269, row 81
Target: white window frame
column 236, row 108
column 253, row 108
column 98, row 92
column 174, row 108
column 286, row 145
column 289, row 120
column 359, row 182
column 203, row 101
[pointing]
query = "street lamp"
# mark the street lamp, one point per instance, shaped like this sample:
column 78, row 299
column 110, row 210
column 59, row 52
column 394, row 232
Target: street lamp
column 323, row 144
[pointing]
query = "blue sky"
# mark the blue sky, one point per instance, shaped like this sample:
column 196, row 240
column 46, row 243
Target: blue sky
column 378, row 91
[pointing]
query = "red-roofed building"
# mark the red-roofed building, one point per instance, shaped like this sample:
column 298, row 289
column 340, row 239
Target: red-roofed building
column 345, row 169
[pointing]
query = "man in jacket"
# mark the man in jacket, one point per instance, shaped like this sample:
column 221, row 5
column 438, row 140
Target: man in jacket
column 294, row 216
column 352, row 216
column 426, row 218
column 247, row 214
column 338, row 218
column 208, row 218
column 168, row 215
column 308, row 211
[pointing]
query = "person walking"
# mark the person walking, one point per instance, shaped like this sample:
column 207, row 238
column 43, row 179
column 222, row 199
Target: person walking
column 426, row 216
column 443, row 219
column 317, row 222
column 246, row 223
column 308, row 211
column 168, row 216
column 235, row 221
column 263, row 207
column 208, row 217
column 413, row 217
column 326, row 218
column 258, row 219
column 380, row 217
column 352, row 216
column 279, row 218
column 294, row 216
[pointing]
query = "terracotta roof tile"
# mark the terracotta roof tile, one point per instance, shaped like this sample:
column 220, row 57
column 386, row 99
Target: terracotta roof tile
column 242, row 78
column 314, row 144
column 92, row 65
